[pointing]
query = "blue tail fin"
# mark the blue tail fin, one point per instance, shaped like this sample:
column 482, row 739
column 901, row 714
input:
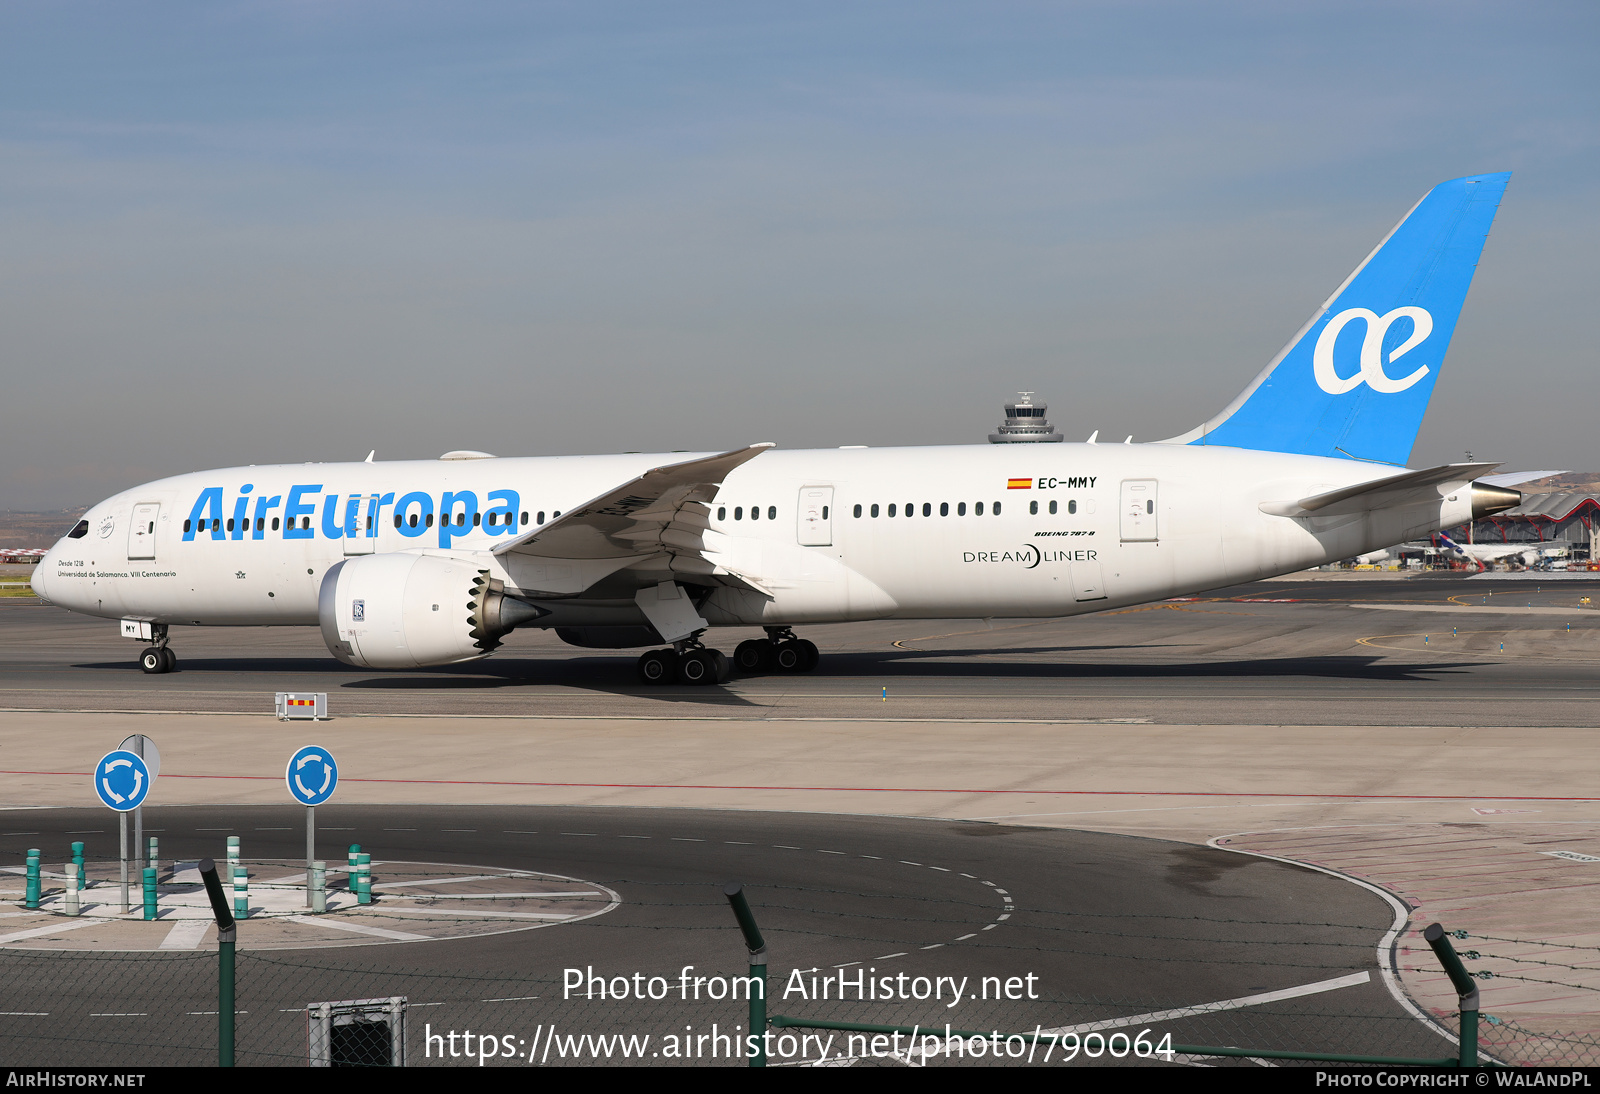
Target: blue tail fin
column 1355, row 381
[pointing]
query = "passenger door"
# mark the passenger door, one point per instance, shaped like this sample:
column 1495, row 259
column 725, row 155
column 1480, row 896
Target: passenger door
column 1139, row 511
column 142, row 532
column 816, row 516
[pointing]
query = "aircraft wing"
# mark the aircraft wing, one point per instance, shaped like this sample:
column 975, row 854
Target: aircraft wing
column 1406, row 488
column 664, row 513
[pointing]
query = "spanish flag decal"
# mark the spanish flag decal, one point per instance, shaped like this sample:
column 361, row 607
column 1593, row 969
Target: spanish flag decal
column 1019, row 484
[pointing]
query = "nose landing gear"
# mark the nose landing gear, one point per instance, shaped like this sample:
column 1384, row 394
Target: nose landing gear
column 158, row 657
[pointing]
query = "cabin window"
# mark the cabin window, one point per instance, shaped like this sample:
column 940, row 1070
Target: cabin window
column 944, row 509
column 541, row 516
column 274, row 524
column 429, row 522
column 476, row 519
column 738, row 512
column 858, row 512
column 874, row 508
column 824, row 512
column 722, row 512
column 557, row 512
column 261, row 524
column 997, row 509
column 772, row 512
column 185, row 527
column 978, row 509
column 961, row 508
column 1052, row 508
column 1072, row 505
column 305, row 524
column 927, row 509
column 1033, row 508
column 230, row 524
column 397, row 519
column 490, row 521
column 891, row 509
column 524, row 518
column 1150, row 505
column 911, row 508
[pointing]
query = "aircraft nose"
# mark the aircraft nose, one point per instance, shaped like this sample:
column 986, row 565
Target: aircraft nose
column 37, row 580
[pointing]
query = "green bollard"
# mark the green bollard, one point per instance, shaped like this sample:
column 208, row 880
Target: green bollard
column 77, row 861
column 32, row 892
column 364, row 878
column 149, row 892
column 241, row 893
column 350, row 867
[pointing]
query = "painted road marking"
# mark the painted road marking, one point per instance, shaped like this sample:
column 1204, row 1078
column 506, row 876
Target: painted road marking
column 355, row 928
column 186, row 934
column 54, row 928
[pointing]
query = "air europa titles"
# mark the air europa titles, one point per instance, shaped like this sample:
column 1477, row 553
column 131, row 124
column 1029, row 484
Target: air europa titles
column 1028, row 556
column 299, row 515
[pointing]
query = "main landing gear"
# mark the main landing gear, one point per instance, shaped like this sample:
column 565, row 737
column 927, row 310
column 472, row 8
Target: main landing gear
column 780, row 651
column 688, row 662
column 158, row 657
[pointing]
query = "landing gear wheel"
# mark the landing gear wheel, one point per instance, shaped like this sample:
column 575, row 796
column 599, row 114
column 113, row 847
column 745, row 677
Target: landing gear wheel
column 789, row 657
column 795, row 655
column 658, row 667
column 703, row 667
column 151, row 661
column 753, row 655
column 812, row 656
column 169, row 657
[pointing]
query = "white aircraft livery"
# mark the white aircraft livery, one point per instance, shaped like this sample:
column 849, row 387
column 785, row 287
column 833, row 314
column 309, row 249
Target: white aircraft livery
column 419, row 563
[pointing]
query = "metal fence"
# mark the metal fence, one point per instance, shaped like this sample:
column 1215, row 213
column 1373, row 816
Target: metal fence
column 121, row 1009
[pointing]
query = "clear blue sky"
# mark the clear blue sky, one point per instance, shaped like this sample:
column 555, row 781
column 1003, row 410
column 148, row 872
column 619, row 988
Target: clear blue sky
column 259, row 232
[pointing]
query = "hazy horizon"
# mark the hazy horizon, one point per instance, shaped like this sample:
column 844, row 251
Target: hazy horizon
column 253, row 233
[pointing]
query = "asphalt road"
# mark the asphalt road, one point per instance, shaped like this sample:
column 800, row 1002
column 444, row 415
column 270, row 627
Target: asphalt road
column 1441, row 651
column 1107, row 926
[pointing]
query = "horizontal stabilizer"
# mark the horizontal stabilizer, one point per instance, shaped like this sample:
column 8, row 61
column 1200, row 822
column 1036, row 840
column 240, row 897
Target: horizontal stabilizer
column 1407, row 488
column 1515, row 478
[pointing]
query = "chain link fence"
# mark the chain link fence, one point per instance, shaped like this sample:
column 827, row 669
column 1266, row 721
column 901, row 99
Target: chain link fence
column 128, row 1009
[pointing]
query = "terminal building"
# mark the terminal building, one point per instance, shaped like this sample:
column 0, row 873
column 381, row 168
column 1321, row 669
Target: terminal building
column 1571, row 521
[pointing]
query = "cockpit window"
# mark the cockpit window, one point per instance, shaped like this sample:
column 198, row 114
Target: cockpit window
column 80, row 531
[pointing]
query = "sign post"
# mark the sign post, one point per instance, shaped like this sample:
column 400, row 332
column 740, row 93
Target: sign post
column 122, row 781
column 144, row 748
column 311, row 775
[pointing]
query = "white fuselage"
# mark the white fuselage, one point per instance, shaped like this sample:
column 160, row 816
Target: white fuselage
column 1094, row 526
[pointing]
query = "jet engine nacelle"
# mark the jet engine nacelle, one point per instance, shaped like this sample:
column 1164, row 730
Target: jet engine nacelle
column 407, row 611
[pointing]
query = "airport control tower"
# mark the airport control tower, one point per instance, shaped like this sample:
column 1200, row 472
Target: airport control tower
column 1025, row 423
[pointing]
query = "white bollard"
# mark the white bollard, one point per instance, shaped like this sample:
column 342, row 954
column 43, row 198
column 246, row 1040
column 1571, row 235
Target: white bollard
column 319, row 886
column 72, row 890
